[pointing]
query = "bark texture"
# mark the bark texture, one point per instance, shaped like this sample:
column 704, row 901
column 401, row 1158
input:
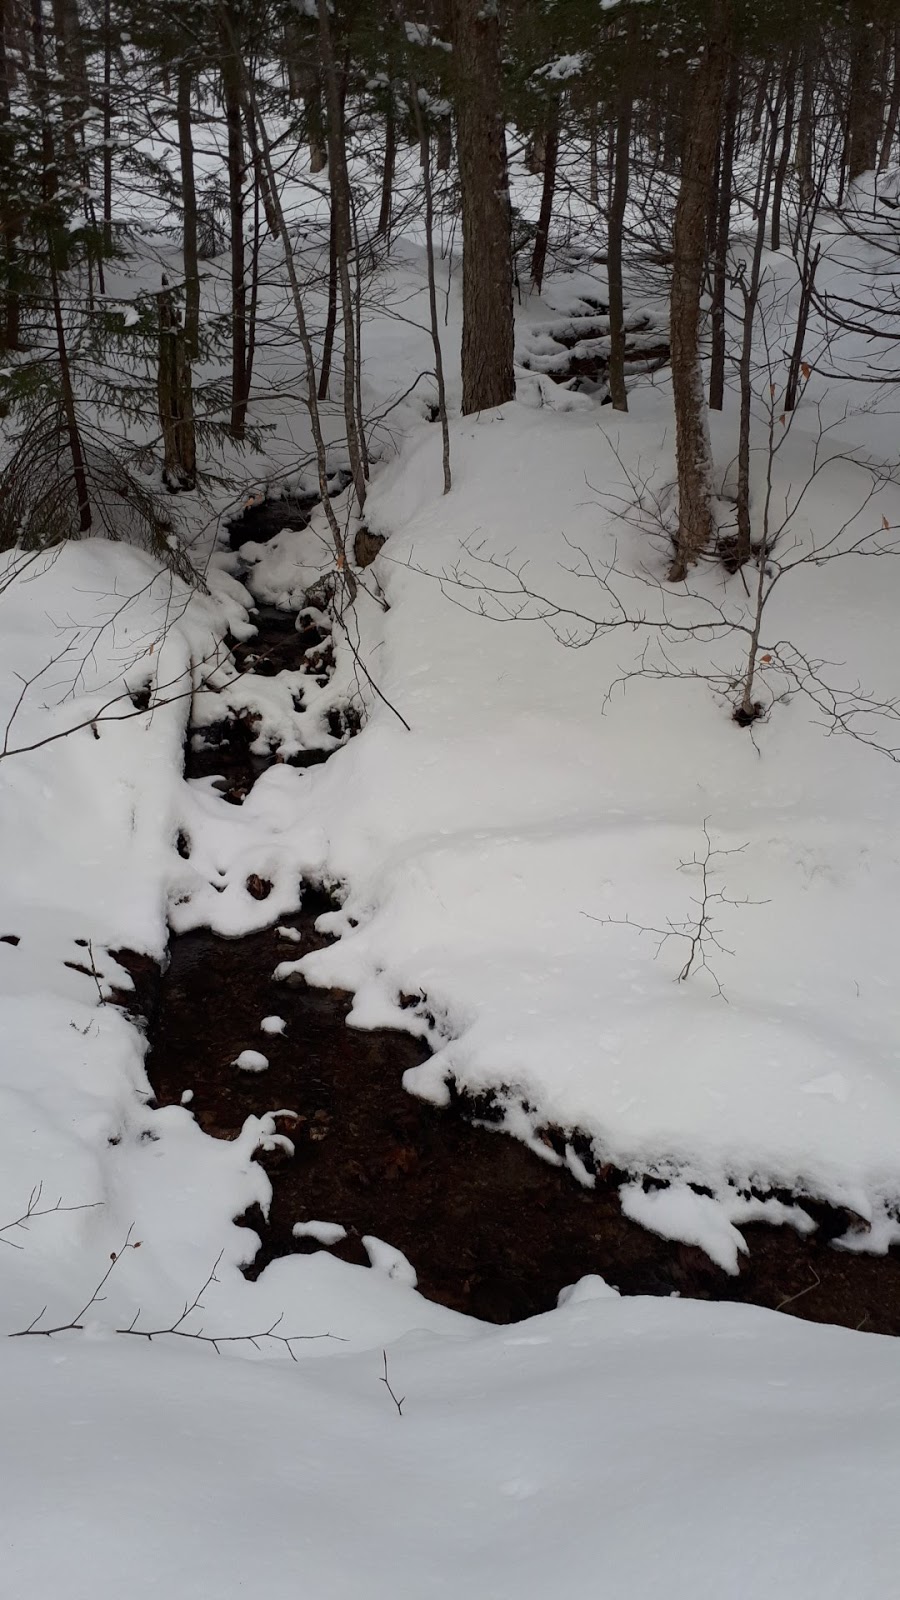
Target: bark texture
column 695, row 519
column 487, row 339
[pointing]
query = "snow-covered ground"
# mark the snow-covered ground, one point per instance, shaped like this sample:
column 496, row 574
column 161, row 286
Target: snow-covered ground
column 615, row 1446
column 495, row 857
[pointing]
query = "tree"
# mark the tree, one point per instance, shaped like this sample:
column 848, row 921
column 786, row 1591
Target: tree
column 694, row 455
column 488, row 338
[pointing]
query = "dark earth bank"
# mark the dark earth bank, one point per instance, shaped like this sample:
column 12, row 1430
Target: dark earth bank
column 490, row 1228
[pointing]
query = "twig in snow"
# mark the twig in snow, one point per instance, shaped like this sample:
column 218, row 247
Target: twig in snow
column 173, row 1330
column 698, row 929
column 34, row 1209
column 387, row 1383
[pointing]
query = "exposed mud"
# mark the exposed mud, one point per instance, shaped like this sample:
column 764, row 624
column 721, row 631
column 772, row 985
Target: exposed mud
column 490, row 1228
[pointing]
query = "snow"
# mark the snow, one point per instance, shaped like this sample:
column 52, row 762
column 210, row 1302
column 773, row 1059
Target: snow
column 251, row 1061
column 386, row 1258
column 273, row 1025
column 591, row 1287
column 613, row 1446
column 325, row 1233
column 500, row 860
column 678, row 1212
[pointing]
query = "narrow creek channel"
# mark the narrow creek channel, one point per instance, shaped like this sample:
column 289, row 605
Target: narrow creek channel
column 489, row 1227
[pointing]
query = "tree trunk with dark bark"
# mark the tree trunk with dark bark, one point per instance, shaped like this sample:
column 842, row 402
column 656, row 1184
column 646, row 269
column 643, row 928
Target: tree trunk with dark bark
column 231, row 92
column 864, row 105
column 175, row 395
column 50, row 186
column 617, row 391
column 189, row 210
column 722, row 238
column 488, row 377
column 387, row 173
column 893, row 116
column 343, row 240
column 542, row 236
column 693, row 451
column 787, row 97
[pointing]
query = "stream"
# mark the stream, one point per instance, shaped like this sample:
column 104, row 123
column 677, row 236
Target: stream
column 490, row 1228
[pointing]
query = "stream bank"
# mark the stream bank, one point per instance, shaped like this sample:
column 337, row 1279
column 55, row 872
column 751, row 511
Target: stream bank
column 490, row 1228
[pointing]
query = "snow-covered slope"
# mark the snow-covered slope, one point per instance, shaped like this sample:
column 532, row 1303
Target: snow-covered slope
column 643, row 1447
column 499, row 855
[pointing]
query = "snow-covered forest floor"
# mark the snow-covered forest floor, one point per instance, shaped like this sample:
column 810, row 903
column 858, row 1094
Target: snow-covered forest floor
column 516, row 843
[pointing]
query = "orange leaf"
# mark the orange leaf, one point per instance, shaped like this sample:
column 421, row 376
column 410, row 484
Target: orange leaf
column 806, row 369
column 781, row 419
column 765, row 660
column 885, row 524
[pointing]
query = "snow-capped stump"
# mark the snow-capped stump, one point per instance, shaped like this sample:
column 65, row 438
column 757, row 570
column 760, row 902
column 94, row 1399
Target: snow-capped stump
column 324, row 1233
column 273, row 1025
column 251, row 1061
column 386, row 1258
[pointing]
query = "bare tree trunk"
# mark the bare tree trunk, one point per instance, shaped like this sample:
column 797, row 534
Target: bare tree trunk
column 542, row 236
column 808, row 269
column 864, row 105
column 387, row 172
column 73, row 432
column 617, row 391
column 231, row 69
column 331, row 316
column 50, row 185
column 787, row 97
column 9, row 324
column 723, row 235
column 254, row 253
column 340, row 205
column 315, row 127
column 175, row 395
column 488, row 377
column 805, row 131
column 425, row 162
column 593, row 163
column 260, row 181
column 759, row 103
column 444, row 143
column 189, row 209
column 291, row 52
column 693, row 450
column 357, row 328
column 107, row 163
column 750, row 289
column 893, row 116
